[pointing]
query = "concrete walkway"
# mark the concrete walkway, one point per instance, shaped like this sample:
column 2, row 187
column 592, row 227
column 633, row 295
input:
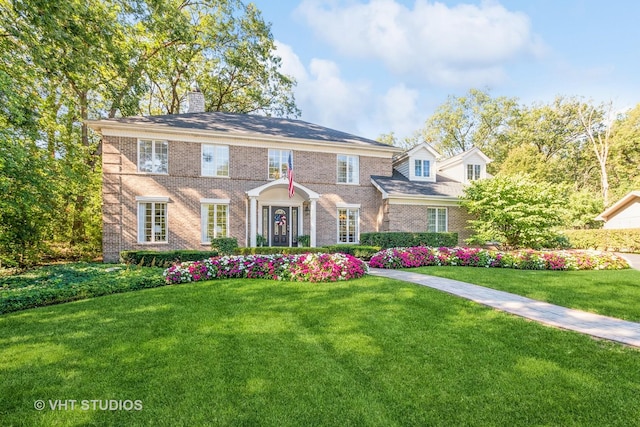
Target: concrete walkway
column 566, row 318
column 632, row 259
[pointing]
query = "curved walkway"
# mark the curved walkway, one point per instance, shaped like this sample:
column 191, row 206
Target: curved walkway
column 608, row 328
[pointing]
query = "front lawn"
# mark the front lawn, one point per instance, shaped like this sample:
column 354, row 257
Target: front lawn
column 613, row 293
column 369, row 351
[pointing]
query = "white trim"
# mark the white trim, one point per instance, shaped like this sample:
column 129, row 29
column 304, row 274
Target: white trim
column 146, row 131
column 255, row 192
column 153, row 142
column 348, row 207
column 355, row 172
column 204, row 216
column 141, row 200
column 215, row 201
column 148, row 199
column 446, row 218
column 206, row 144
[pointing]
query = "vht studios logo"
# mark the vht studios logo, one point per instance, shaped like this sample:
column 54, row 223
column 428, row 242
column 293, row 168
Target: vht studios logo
column 88, row 405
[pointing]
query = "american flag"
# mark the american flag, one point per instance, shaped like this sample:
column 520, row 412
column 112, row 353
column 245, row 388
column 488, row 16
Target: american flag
column 290, row 176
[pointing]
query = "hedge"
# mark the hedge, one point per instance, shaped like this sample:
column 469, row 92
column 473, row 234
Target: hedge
column 359, row 251
column 622, row 240
column 163, row 258
column 274, row 250
column 405, row 239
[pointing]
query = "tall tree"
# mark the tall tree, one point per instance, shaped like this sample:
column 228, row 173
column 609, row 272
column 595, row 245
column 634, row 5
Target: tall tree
column 90, row 60
column 597, row 122
column 624, row 165
column 473, row 120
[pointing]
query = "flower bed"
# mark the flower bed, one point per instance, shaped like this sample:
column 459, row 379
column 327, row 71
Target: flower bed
column 300, row 268
column 421, row 256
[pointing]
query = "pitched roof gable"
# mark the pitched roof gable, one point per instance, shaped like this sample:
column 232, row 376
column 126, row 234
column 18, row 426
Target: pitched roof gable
column 458, row 158
column 619, row 205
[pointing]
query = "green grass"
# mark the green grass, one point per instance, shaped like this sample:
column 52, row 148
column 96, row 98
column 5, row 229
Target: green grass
column 372, row 352
column 613, row 293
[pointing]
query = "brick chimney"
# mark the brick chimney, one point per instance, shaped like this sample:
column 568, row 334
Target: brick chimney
column 196, row 101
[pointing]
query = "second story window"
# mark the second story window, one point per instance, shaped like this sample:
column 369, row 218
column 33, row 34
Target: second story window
column 473, row 172
column 215, row 160
column 422, row 168
column 278, row 163
column 153, row 156
column 348, row 169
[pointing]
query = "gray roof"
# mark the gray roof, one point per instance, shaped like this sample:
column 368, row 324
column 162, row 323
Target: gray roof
column 399, row 185
column 247, row 124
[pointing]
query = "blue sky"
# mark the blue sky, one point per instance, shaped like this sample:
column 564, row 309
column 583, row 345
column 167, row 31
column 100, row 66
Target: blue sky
column 379, row 66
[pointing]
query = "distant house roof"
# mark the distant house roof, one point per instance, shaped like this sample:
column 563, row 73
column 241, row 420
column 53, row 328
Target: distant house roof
column 399, row 186
column 620, row 205
column 242, row 124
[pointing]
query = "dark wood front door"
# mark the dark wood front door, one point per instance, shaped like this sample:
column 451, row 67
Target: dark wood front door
column 280, row 226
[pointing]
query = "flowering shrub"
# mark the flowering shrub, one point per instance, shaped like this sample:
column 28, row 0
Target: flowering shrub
column 300, row 268
column 421, row 256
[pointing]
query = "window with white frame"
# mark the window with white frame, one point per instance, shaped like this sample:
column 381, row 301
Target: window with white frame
column 152, row 220
column 153, row 156
column 348, row 219
column 215, row 160
column 436, row 220
column 422, row 168
column 473, row 172
column 214, row 219
column 348, row 169
column 278, row 163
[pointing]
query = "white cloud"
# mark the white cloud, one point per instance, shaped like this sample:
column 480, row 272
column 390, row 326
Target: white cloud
column 459, row 45
column 323, row 95
column 398, row 110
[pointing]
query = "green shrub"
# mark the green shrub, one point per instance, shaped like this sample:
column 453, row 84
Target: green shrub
column 624, row 240
column 274, row 250
column 304, row 240
column 224, row 245
column 405, row 239
column 359, row 251
column 70, row 282
column 163, row 259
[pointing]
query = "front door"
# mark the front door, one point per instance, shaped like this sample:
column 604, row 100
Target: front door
column 280, row 226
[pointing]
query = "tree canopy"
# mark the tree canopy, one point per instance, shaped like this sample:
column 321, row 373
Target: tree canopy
column 62, row 63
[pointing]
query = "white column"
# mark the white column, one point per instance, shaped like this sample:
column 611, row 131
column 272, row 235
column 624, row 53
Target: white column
column 253, row 213
column 312, row 221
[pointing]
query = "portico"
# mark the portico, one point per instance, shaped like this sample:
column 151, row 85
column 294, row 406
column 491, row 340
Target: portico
column 278, row 218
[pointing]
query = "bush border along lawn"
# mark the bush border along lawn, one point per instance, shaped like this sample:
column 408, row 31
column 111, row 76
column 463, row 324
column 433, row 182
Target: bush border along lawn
column 60, row 283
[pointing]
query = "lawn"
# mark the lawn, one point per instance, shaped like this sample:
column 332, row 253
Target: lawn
column 613, row 293
column 370, row 351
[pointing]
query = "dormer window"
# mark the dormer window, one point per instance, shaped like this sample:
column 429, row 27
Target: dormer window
column 473, row 172
column 422, row 168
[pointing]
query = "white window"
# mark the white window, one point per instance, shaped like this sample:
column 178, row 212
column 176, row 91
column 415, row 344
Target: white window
column 215, row 160
column 153, row 156
column 436, row 220
column 422, row 168
column 348, row 219
column 473, row 172
column 152, row 221
column 214, row 219
column 348, row 169
column 278, row 163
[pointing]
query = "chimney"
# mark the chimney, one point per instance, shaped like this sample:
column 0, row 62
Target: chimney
column 196, row 101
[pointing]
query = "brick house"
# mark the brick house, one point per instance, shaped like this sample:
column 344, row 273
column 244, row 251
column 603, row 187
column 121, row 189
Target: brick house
column 176, row 181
